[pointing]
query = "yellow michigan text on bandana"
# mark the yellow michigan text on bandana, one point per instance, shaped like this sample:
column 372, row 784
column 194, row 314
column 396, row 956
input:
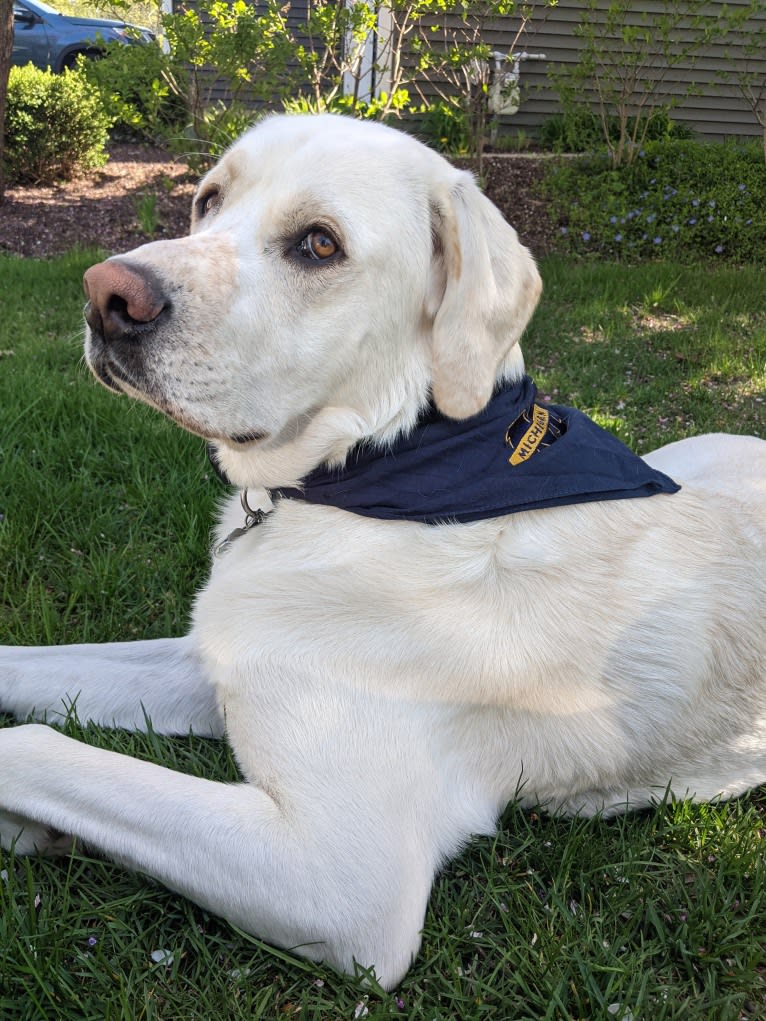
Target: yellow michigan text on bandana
column 532, row 438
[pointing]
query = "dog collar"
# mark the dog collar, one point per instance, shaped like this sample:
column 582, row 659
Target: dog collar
column 515, row 455
column 253, row 517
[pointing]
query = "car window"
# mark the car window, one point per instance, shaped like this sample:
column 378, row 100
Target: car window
column 46, row 8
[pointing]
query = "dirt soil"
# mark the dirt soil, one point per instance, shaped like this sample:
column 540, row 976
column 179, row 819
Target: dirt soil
column 102, row 210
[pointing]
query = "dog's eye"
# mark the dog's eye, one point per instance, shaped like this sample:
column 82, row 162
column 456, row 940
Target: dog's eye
column 209, row 203
column 318, row 245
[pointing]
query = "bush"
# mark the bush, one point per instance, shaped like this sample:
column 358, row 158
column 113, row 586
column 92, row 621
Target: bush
column 573, row 131
column 580, row 130
column 679, row 200
column 55, row 126
column 134, row 85
column 223, row 62
column 445, row 127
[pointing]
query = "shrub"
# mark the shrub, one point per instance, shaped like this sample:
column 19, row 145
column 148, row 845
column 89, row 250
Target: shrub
column 581, row 130
column 55, row 126
column 576, row 130
column 679, row 200
column 222, row 62
column 135, row 88
column 445, row 127
column 626, row 54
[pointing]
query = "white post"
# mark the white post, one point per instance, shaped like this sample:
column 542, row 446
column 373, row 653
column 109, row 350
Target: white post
column 360, row 58
column 383, row 73
column 166, row 7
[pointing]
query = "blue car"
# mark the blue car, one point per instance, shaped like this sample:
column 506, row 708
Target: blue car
column 48, row 38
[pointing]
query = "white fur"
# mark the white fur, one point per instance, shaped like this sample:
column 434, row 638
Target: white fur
column 388, row 687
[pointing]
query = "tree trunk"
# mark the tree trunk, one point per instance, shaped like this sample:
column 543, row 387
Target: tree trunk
column 6, row 49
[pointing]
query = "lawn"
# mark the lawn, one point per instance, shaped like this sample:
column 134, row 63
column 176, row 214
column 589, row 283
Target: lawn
column 105, row 513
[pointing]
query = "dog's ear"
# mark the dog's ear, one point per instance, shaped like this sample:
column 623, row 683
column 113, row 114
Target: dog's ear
column 484, row 291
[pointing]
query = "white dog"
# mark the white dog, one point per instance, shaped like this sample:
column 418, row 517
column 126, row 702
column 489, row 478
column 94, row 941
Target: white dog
column 387, row 685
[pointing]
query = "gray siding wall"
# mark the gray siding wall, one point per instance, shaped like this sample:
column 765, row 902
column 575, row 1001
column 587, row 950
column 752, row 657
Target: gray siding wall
column 716, row 110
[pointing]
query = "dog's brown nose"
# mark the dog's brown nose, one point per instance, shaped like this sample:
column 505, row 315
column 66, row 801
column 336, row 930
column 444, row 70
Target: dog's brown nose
column 121, row 299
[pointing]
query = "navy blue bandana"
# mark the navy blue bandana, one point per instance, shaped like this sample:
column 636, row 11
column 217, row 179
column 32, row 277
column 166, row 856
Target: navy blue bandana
column 515, row 455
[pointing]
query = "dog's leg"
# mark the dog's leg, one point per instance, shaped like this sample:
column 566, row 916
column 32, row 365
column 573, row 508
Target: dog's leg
column 334, row 882
column 114, row 685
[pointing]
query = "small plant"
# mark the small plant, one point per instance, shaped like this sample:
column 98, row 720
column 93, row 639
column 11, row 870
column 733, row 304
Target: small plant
column 576, row 129
column 147, row 214
column 444, row 125
column 55, row 126
column 513, row 141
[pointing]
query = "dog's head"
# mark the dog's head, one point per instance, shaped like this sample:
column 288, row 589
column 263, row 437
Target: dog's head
column 336, row 274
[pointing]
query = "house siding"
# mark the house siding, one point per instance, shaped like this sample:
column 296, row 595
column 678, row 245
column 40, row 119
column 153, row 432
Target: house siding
column 715, row 110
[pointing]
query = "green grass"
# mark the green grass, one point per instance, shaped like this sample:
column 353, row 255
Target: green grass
column 105, row 524
column 654, row 351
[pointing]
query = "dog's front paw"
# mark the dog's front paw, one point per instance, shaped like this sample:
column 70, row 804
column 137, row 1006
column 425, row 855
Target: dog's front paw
column 28, row 754
column 25, row 837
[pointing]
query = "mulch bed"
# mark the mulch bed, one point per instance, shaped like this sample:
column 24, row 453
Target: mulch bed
column 101, row 209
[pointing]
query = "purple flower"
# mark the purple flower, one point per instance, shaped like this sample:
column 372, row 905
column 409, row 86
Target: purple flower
column 92, row 941
column 718, row 249
column 692, row 221
column 585, row 235
column 742, row 187
column 695, row 202
column 399, row 1003
column 618, row 237
column 613, row 219
column 658, row 241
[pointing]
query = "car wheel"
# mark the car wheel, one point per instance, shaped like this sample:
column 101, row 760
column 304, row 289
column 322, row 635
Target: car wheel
column 70, row 60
